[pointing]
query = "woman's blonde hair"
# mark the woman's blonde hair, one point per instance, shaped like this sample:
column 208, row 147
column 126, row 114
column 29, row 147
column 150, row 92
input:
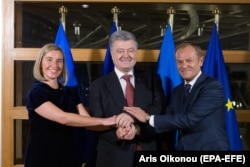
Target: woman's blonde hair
column 37, row 70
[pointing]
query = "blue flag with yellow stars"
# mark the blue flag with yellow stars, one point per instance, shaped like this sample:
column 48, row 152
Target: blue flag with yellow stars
column 214, row 66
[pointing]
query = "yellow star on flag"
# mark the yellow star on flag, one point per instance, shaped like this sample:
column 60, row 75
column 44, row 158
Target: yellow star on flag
column 229, row 105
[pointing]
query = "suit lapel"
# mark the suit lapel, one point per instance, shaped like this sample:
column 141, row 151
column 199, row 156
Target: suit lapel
column 196, row 85
column 192, row 95
column 115, row 89
column 140, row 91
column 179, row 98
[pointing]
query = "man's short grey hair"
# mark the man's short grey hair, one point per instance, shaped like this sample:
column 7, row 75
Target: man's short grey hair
column 122, row 35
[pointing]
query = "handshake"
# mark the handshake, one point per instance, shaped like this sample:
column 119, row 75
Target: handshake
column 125, row 122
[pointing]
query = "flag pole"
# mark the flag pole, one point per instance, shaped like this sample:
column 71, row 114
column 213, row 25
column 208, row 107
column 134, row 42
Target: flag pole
column 216, row 13
column 77, row 26
column 171, row 13
column 63, row 10
column 108, row 64
column 115, row 11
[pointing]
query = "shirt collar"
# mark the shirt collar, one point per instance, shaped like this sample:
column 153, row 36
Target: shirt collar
column 194, row 80
column 120, row 74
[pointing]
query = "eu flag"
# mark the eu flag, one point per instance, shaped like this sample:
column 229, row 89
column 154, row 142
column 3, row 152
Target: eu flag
column 214, row 66
column 167, row 68
column 62, row 41
column 84, row 139
column 108, row 64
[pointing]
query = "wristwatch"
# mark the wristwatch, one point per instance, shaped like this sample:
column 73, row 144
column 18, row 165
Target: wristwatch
column 147, row 118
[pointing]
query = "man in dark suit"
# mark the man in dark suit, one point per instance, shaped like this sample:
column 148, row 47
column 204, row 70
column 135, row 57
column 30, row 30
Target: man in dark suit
column 108, row 96
column 198, row 113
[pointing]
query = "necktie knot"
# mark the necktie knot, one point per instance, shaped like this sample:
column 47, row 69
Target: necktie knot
column 126, row 77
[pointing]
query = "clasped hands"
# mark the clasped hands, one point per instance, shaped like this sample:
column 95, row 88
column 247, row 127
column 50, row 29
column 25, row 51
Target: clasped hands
column 125, row 122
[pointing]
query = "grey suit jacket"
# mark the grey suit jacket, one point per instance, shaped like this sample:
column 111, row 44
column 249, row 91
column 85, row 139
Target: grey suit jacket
column 200, row 119
column 107, row 99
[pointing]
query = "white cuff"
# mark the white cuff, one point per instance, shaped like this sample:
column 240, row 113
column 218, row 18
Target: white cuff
column 152, row 121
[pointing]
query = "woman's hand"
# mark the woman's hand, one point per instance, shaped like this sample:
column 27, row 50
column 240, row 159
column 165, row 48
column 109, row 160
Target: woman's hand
column 110, row 121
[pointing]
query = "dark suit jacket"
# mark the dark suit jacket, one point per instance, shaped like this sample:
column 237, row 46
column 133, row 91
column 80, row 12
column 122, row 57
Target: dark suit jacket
column 201, row 118
column 107, row 99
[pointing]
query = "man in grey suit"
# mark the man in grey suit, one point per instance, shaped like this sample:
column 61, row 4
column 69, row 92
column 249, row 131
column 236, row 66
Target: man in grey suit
column 116, row 145
column 199, row 113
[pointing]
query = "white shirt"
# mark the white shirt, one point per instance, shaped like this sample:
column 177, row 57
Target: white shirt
column 122, row 81
column 193, row 81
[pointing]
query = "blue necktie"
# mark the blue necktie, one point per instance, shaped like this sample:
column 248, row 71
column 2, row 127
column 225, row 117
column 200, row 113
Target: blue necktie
column 187, row 89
